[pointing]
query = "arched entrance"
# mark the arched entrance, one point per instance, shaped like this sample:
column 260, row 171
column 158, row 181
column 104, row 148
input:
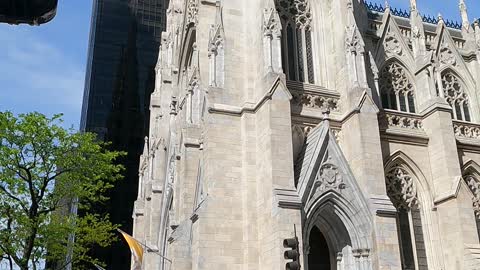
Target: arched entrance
column 319, row 253
column 335, row 238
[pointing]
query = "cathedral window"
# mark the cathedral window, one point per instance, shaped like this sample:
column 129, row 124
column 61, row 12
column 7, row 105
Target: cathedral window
column 402, row 191
column 455, row 95
column 396, row 89
column 297, row 46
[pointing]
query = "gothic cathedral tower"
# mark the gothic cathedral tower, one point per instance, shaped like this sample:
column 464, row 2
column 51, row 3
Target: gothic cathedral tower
column 353, row 127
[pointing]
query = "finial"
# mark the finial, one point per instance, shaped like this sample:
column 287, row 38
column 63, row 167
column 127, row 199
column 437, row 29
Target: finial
column 387, row 5
column 440, row 18
column 464, row 14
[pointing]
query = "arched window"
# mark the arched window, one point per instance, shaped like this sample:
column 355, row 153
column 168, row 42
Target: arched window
column 456, row 96
column 396, row 89
column 403, row 193
column 297, row 54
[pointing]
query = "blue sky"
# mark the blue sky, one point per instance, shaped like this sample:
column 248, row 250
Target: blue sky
column 42, row 68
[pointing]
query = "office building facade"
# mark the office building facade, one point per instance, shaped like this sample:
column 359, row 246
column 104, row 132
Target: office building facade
column 124, row 41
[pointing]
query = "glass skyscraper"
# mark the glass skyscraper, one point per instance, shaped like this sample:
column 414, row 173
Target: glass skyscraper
column 124, row 41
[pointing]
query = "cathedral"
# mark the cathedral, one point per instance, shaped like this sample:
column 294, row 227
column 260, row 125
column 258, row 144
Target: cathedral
column 312, row 134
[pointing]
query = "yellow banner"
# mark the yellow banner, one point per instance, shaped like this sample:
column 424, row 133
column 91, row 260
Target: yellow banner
column 135, row 248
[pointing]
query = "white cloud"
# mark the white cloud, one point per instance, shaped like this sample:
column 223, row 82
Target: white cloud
column 37, row 75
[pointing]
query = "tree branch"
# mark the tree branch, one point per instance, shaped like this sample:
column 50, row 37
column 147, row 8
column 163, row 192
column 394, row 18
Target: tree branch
column 2, row 188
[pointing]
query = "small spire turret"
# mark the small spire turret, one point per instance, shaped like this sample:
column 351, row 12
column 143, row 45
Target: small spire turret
column 413, row 5
column 463, row 12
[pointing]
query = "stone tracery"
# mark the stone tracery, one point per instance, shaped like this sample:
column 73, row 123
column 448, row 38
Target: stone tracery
column 456, row 96
column 401, row 189
column 297, row 44
column 396, row 89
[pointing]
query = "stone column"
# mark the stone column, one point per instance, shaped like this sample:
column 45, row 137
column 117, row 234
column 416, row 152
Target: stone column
column 454, row 209
column 363, row 151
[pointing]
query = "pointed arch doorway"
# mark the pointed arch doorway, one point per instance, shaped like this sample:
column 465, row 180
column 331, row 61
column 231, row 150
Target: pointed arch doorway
column 319, row 253
column 332, row 241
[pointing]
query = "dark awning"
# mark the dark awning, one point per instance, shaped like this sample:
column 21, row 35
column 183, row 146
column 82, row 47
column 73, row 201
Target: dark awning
column 33, row 12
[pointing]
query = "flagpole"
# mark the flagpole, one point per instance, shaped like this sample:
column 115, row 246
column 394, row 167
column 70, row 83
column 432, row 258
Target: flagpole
column 148, row 248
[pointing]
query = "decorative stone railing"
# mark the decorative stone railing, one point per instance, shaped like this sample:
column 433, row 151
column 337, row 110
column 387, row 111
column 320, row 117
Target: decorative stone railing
column 393, row 119
column 406, row 32
column 459, row 43
column 314, row 101
column 313, row 97
column 466, row 130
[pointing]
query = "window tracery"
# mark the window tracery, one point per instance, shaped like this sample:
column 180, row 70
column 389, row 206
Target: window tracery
column 397, row 91
column 402, row 191
column 297, row 46
column 456, row 96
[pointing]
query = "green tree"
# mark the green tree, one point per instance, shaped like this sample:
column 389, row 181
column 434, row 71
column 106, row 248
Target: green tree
column 47, row 174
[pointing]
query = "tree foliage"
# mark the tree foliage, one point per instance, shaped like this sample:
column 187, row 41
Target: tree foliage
column 47, row 175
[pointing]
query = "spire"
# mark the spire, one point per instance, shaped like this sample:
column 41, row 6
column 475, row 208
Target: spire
column 413, row 5
column 418, row 37
column 145, row 146
column 464, row 14
column 387, row 6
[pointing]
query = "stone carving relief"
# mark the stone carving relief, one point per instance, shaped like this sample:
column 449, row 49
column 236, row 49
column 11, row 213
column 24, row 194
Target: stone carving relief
column 466, row 131
column 353, row 40
column 271, row 23
column 446, row 55
column 392, row 44
column 297, row 11
column 400, row 188
column 400, row 121
column 192, row 12
column 328, row 177
column 474, row 186
column 316, row 102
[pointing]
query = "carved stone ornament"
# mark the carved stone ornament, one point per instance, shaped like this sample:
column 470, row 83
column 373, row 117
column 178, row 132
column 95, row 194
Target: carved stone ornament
column 192, row 12
column 271, row 22
column 328, row 177
column 466, row 130
column 474, row 186
column 316, row 102
column 297, row 11
column 401, row 189
column 400, row 121
column 353, row 41
column 446, row 55
column 392, row 44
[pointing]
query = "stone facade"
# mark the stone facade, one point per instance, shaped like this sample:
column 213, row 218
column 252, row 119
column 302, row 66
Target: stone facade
column 355, row 124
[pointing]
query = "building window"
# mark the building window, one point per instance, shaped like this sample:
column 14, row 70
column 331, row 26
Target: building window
column 396, row 89
column 402, row 191
column 297, row 46
column 456, row 96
